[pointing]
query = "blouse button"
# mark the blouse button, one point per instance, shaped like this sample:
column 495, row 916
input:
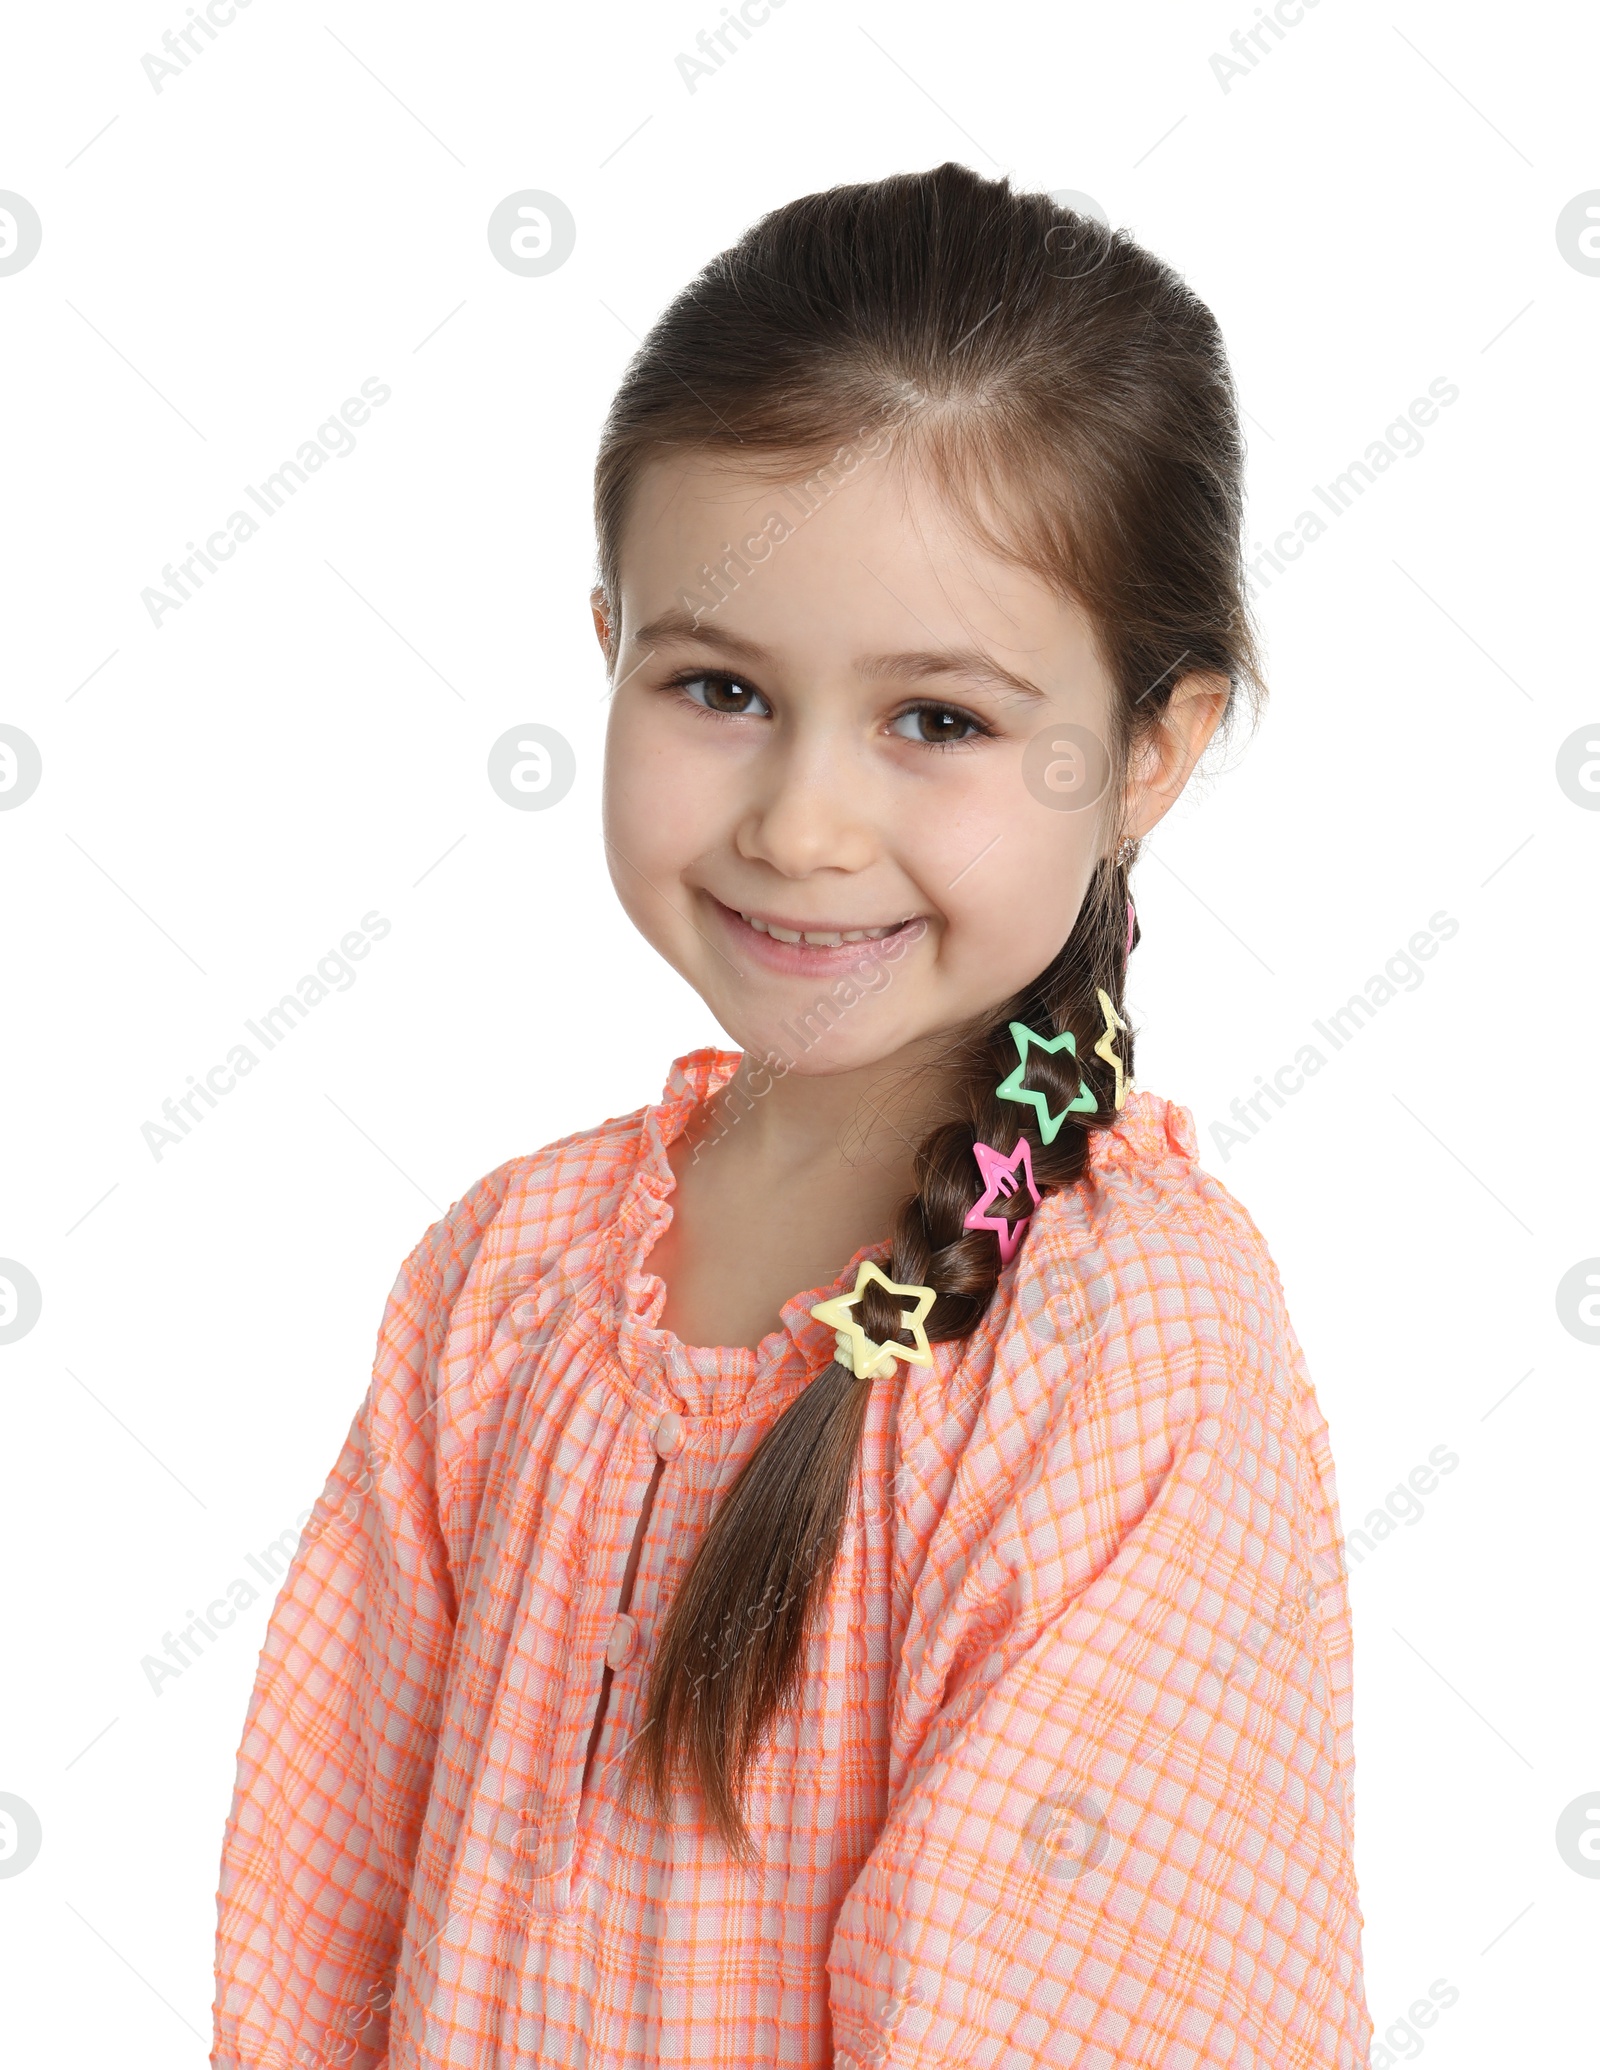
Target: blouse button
column 524, row 1313
column 620, row 1647
column 668, row 1435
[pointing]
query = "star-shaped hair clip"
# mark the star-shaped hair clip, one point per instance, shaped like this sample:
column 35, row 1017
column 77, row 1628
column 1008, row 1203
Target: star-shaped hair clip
column 1012, row 1089
column 855, row 1349
column 1104, row 1049
column 999, row 1183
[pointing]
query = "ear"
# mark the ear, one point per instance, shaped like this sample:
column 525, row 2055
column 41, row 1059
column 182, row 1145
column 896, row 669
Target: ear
column 1165, row 759
column 602, row 622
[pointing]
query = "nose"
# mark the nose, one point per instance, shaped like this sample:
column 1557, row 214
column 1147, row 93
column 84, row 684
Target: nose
column 813, row 807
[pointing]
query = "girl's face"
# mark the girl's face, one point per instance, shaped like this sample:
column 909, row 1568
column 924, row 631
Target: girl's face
column 850, row 724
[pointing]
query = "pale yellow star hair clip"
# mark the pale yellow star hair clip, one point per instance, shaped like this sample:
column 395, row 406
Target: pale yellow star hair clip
column 1103, row 1048
column 855, row 1349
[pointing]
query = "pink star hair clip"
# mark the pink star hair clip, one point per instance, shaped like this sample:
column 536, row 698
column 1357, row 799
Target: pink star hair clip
column 999, row 1183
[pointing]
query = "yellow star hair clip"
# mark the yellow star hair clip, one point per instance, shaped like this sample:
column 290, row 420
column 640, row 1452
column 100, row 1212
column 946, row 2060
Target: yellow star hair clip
column 1103, row 1048
column 855, row 1349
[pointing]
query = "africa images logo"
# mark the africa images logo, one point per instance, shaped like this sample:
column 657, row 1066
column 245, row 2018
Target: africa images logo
column 335, row 438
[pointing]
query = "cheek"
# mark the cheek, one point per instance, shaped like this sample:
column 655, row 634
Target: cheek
column 1010, row 882
column 1002, row 860
column 1002, row 940
column 659, row 807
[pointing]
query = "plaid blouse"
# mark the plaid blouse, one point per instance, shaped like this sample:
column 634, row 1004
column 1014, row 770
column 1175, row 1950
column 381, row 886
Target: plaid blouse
column 1070, row 1778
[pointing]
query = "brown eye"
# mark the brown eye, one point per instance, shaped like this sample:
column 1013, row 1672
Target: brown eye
column 726, row 695
column 937, row 725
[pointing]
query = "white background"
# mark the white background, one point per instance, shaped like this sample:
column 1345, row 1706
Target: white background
column 1372, row 207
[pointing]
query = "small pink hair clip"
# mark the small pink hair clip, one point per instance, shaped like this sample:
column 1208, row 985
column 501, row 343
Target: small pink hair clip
column 999, row 1183
column 1128, row 951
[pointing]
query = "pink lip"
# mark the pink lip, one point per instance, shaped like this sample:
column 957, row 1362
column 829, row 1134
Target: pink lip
column 799, row 959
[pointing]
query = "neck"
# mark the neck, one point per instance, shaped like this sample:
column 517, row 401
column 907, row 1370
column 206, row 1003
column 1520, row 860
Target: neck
column 873, row 1114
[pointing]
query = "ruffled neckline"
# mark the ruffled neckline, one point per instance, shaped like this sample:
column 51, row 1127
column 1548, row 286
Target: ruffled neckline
column 731, row 1382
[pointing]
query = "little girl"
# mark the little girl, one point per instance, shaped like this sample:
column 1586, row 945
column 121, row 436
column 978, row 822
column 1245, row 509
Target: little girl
column 841, row 1566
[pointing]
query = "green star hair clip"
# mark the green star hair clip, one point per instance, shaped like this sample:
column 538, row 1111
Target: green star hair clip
column 855, row 1349
column 1012, row 1088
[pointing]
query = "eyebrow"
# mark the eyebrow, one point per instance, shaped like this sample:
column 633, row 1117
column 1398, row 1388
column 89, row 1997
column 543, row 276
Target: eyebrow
column 680, row 625
column 931, row 663
column 919, row 665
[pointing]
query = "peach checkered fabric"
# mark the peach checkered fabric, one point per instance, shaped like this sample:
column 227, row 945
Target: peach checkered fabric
column 1071, row 1778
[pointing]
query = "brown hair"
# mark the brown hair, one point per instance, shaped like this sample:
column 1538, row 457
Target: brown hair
column 1073, row 397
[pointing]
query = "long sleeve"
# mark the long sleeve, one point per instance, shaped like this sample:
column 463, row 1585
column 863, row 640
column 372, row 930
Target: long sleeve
column 337, row 1756
column 1119, row 1823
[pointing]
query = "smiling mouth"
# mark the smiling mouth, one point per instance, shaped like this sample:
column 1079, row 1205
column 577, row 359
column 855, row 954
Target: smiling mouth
column 815, row 937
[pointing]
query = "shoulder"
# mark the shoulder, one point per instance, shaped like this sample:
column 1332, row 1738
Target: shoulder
column 538, row 1222
column 1133, row 1406
column 1151, row 1264
column 520, row 1220
column 521, row 1226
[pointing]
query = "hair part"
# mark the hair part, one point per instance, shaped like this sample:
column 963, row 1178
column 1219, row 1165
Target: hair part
column 1071, row 397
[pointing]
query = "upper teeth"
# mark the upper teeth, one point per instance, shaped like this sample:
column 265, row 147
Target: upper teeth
column 817, row 940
